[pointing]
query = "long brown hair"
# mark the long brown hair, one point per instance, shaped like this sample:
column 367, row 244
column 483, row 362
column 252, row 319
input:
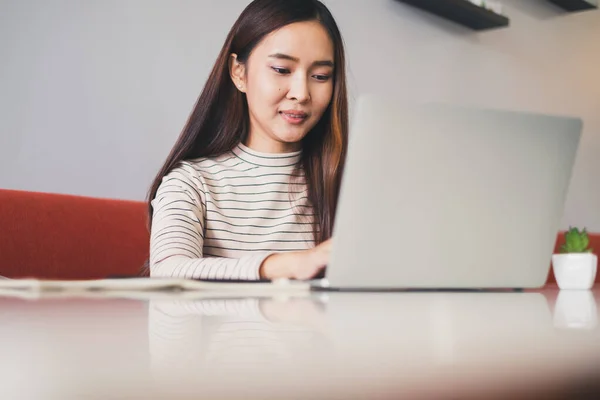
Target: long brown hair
column 220, row 120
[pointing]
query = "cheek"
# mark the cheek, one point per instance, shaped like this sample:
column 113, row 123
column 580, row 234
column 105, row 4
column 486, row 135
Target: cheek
column 322, row 97
column 265, row 91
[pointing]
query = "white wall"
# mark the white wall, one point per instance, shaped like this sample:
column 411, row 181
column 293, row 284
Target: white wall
column 93, row 93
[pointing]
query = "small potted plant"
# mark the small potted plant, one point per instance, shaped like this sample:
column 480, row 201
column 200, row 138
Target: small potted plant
column 575, row 265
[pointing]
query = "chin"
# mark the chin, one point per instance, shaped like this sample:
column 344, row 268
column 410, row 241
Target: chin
column 291, row 136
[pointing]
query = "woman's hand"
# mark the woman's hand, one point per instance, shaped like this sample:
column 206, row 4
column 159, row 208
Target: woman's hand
column 301, row 265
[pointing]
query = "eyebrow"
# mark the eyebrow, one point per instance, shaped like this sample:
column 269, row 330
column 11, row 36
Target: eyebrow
column 320, row 63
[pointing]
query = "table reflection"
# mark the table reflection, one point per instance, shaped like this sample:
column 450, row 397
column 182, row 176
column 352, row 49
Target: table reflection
column 431, row 329
column 576, row 309
column 234, row 334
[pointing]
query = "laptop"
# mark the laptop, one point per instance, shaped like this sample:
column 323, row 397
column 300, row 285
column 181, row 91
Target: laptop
column 449, row 197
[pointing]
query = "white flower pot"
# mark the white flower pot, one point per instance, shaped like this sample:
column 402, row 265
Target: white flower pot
column 575, row 270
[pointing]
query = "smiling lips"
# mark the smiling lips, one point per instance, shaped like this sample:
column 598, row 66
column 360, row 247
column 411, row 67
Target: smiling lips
column 294, row 117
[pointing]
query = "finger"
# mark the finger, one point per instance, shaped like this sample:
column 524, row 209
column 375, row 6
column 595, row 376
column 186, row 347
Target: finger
column 318, row 270
column 314, row 272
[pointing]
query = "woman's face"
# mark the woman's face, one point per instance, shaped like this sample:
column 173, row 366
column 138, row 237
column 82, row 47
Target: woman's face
column 288, row 81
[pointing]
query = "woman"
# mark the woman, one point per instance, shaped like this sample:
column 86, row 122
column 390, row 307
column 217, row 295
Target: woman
column 249, row 190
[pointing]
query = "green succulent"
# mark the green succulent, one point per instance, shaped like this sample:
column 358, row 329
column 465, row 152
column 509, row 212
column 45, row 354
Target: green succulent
column 576, row 241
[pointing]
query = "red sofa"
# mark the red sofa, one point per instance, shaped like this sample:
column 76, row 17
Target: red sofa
column 58, row 236
column 72, row 237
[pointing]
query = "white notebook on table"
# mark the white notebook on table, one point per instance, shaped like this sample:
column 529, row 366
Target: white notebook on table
column 148, row 284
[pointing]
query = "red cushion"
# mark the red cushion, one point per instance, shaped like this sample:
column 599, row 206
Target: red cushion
column 56, row 236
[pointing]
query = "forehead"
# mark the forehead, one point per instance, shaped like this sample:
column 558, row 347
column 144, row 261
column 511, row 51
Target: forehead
column 308, row 41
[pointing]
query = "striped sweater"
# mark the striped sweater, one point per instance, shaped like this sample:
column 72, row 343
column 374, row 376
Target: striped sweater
column 219, row 218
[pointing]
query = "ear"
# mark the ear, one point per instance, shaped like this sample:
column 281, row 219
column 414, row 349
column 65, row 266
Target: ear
column 237, row 71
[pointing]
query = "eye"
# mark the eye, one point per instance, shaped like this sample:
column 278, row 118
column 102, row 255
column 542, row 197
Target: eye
column 322, row 78
column 281, row 71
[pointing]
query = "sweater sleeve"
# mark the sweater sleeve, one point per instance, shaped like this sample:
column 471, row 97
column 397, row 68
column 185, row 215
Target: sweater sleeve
column 177, row 234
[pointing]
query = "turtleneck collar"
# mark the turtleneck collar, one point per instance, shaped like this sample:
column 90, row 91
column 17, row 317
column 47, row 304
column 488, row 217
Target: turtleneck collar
column 267, row 159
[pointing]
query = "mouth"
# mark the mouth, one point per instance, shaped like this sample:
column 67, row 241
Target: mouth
column 294, row 117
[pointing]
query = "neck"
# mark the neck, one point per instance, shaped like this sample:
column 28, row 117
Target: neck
column 267, row 145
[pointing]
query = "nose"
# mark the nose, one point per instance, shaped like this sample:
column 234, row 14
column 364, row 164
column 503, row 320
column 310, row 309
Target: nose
column 299, row 89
